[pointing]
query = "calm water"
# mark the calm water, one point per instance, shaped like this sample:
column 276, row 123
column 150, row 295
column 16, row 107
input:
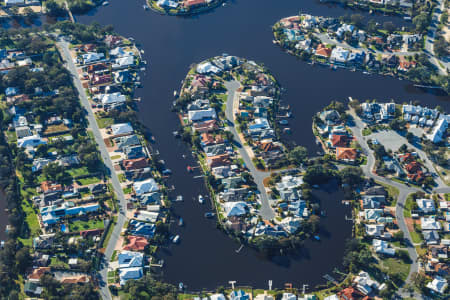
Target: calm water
column 206, row 258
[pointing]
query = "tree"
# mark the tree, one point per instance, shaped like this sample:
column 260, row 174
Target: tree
column 421, row 21
column 298, row 155
column 441, row 47
column 351, row 176
column 410, row 137
column 317, row 174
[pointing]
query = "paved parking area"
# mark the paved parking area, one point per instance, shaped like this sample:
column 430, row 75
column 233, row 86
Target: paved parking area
column 390, row 139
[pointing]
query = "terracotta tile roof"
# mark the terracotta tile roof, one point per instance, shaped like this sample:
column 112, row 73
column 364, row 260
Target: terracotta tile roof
column 339, row 140
column 413, row 167
column 346, row 153
column 47, row 186
column 189, row 3
column 218, row 160
column 75, row 279
column 132, row 164
column 37, row 273
column 136, row 243
column 323, row 51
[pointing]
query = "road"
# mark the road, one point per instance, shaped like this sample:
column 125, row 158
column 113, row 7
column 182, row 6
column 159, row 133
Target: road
column 266, row 210
column 104, row 290
column 431, row 35
column 404, row 191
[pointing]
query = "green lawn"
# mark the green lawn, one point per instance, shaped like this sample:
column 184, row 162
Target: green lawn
column 89, row 180
column 408, row 206
column 109, row 233
column 416, row 237
column 32, row 221
column 396, row 266
column 104, row 122
column 56, row 262
column 85, row 225
column 115, row 157
column 75, row 172
column 127, row 190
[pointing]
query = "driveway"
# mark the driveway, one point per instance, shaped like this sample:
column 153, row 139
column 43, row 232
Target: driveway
column 63, row 48
column 266, row 210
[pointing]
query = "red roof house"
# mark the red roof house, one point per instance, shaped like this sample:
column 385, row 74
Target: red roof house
column 136, row 243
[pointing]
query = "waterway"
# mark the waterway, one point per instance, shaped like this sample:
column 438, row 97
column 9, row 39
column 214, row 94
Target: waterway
column 205, row 257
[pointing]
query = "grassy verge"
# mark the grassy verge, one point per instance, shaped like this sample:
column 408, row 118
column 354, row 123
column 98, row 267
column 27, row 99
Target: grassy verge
column 85, row 225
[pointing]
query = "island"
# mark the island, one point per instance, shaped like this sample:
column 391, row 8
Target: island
column 183, row 7
column 349, row 42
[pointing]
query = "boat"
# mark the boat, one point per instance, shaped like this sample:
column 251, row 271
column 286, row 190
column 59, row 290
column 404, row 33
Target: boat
column 2, row 244
column 283, row 122
column 180, row 222
column 167, row 172
column 176, row 134
column 179, row 198
column 175, row 94
column 287, row 130
column 176, row 239
column 189, row 169
column 317, row 237
column 181, row 286
column 288, row 114
column 105, row 3
column 145, row 6
column 201, row 199
column 209, row 215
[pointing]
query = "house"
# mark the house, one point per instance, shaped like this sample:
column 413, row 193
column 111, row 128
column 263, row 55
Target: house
column 195, row 3
column 121, row 129
column 30, row 141
column 14, row 2
column 364, row 283
column 127, row 140
column 136, row 243
column 123, row 62
column 167, row 3
column 111, row 99
column 330, row 117
column 150, row 198
column 133, row 152
column 430, row 223
column 23, row 131
column 135, row 164
column 431, row 237
column 439, row 285
column 139, row 228
column 438, row 131
column 145, row 186
column 91, row 57
column 426, row 205
column 11, row 91
column 346, row 154
column 112, row 40
column 239, row 295
column 147, row 216
column 207, row 68
column 132, row 273
column 218, row 161
column 31, row 287
column 373, row 214
column 217, row 297
column 288, row 296
column 39, row 164
column 351, row 293
column 36, row 275
column 374, row 229
column 129, row 259
column 339, row 55
column 205, row 126
column 235, row 208
column 323, row 51
column 97, row 188
column 339, row 141
column 201, row 115
column 370, row 201
column 382, row 247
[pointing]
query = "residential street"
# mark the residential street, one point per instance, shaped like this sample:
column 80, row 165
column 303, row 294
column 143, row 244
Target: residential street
column 404, row 191
column 431, row 35
column 266, row 210
column 64, row 50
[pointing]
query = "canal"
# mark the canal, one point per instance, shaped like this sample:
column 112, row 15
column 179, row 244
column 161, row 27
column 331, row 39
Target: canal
column 3, row 216
column 205, row 257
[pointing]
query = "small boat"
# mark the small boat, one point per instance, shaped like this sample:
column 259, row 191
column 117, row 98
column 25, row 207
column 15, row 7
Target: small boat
column 145, row 6
column 283, row 122
column 167, row 172
column 175, row 94
column 2, row 244
column 105, row 3
column 287, row 130
column 201, row 200
column 181, row 286
column 288, row 114
column 176, row 239
column 179, row 198
column 317, row 237
column 189, row 169
column 180, row 222
column 175, row 134
column 209, row 215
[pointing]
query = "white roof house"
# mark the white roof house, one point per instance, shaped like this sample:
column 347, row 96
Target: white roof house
column 339, row 55
column 14, row 2
column 123, row 62
column 147, row 216
column 198, row 115
column 289, row 182
column 121, row 128
column 438, row 284
column 364, row 283
column 438, row 131
column 430, row 223
column 167, row 3
column 145, row 186
column 288, row 296
column 30, row 141
column 126, row 274
column 382, row 247
column 217, row 297
column 426, row 205
column 92, row 57
column 207, row 67
column 235, row 208
column 374, row 229
column 120, row 52
column 264, row 297
column 114, row 98
column 129, row 259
